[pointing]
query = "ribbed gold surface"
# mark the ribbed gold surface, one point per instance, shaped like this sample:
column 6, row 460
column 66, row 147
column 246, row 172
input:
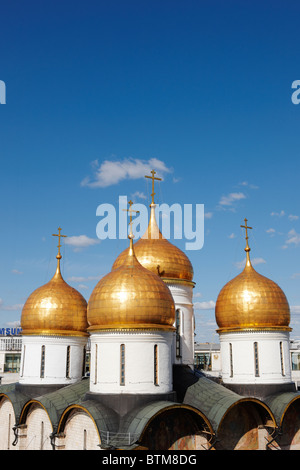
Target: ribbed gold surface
column 55, row 309
column 132, row 297
column 158, row 255
column 252, row 301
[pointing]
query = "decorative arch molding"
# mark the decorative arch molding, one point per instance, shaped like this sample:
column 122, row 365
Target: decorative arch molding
column 190, row 434
column 251, row 423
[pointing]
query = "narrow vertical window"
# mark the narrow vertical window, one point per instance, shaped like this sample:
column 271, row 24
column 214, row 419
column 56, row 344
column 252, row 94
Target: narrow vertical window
column 84, row 439
column 256, row 360
column 23, row 359
column 122, row 364
column 281, row 358
column 178, row 338
column 84, row 362
column 96, row 364
column 42, row 374
column 42, row 436
column 231, row 360
column 155, row 365
column 8, row 435
column 68, row 362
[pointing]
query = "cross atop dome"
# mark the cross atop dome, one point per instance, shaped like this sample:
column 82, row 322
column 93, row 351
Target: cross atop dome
column 153, row 178
column 59, row 235
column 246, row 227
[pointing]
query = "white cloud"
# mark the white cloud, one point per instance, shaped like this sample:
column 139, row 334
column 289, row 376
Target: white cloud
column 293, row 217
column 208, row 215
column 16, row 271
column 278, row 214
column 271, row 231
column 232, row 235
column 295, row 309
column 254, row 262
column 231, row 198
column 204, row 305
column 112, row 172
column 197, row 295
column 251, row 186
column 83, row 279
column 81, row 241
column 10, row 307
column 295, row 275
column 293, row 238
column 138, row 194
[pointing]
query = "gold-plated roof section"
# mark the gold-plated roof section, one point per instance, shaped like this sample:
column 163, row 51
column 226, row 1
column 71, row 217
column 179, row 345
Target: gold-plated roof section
column 158, row 255
column 131, row 297
column 251, row 301
column 55, row 308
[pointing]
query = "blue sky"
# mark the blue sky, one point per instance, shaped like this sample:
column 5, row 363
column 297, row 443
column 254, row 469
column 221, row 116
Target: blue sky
column 204, row 88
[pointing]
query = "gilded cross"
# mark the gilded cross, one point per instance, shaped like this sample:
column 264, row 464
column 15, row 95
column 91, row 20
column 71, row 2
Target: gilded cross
column 59, row 235
column 130, row 211
column 246, row 227
column 153, row 178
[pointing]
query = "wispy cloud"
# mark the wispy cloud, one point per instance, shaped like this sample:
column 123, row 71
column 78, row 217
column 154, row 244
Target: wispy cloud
column 251, row 186
column 81, row 241
column 295, row 309
column 271, row 231
column 231, row 198
column 254, row 262
column 293, row 238
column 110, row 172
column 83, row 279
column 277, row 214
column 13, row 307
column 295, row 276
column 209, row 305
column 138, row 195
column 16, row 271
column 293, row 217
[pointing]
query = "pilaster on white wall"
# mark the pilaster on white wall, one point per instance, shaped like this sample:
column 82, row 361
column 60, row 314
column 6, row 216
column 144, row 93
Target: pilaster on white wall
column 255, row 357
column 49, row 360
column 131, row 362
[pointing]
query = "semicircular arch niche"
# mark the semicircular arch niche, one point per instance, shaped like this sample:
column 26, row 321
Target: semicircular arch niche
column 246, row 426
column 289, row 438
column 176, row 429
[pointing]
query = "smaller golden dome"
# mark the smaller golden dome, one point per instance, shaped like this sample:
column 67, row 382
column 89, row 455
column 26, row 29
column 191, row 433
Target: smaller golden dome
column 157, row 254
column 251, row 301
column 131, row 297
column 55, row 309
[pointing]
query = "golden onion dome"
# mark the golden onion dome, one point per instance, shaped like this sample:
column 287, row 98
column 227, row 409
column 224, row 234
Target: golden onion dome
column 55, row 309
column 157, row 254
column 251, row 301
column 131, row 297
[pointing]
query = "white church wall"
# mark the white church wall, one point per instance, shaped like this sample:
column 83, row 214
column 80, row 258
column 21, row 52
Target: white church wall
column 55, row 359
column 266, row 363
column 139, row 359
column 7, row 421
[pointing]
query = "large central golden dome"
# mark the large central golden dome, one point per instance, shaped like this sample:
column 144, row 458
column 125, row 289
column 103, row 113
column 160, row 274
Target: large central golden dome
column 158, row 255
column 131, row 297
column 55, row 309
column 252, row 301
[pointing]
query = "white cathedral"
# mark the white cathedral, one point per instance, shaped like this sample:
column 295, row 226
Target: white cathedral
column 143, row 392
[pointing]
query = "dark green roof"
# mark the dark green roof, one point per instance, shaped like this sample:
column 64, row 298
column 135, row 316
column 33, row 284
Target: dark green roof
column 279, row 403
column 17, row 398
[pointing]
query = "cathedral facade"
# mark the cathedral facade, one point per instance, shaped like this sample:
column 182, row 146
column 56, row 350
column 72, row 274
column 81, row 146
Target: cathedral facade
column 143, row 392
